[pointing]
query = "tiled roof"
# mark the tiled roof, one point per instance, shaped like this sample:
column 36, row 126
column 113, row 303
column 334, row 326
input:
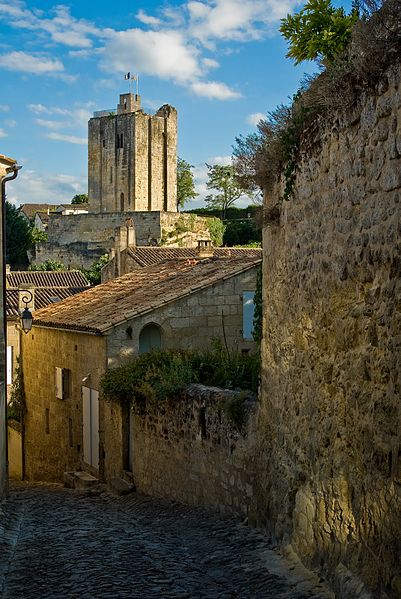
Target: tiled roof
column 100, row 308
column 42, row 278
column 43, row 297
column 147, row 255
column 31, row 209
column 83, row 206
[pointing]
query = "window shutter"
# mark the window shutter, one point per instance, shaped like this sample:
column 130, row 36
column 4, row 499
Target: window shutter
column 59, row 383
column 248, row 309
column 9, row 364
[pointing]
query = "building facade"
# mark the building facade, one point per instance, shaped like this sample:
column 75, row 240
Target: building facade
column 172, row 305
column 132, row 159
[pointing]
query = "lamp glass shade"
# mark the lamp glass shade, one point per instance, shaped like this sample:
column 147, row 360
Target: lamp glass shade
column 26, row 320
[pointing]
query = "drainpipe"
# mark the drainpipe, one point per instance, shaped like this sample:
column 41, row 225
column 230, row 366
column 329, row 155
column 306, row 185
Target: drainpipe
column 14, row 170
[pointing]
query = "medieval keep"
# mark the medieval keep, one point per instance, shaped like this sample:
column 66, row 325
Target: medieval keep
column 132, row 185
column 132, row 158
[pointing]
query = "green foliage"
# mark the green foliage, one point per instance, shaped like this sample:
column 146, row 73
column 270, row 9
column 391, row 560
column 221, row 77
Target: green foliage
column 18, row 237
column 241, row 232
column 232, row 213
column 223, row 180
column 38, row 236
column 94, row 273
column 160, row 375
column 48, row 265
column 318, row 31
column 216, row 229
column 185, row 183
column 16, row 407
column 262, row 157
column 258, row 309
column 80, row 198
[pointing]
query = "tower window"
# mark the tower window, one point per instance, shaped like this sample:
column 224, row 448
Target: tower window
column 120, row 140
column 104, row 143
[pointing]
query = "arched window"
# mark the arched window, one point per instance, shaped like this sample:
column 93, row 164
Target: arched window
column 150, row 338
column 121, row 202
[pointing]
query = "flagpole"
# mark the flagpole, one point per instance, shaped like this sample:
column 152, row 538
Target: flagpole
column 137, row 84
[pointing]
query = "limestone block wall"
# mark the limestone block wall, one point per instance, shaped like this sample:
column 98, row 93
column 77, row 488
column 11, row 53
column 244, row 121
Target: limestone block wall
column 331, row 410
column 190, row 451
column 190, row 322
column 132, row 161
column 53, row 427
column 78, row 240
column 14, row 450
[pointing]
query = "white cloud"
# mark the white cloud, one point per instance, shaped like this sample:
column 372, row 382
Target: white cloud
column 49, row 124
column 63, row 28
column 11, row 123
column 4, row 108
column 210, row 63
column 200, row 179
column 254, row 118
column 31, row 187
column 38, row 108
column 74, row 117
column 165, row 54
column 29, row 63
column 3, row 133
column 147, row 19
column 214, row 90
column 240, row 20
column 72, row 139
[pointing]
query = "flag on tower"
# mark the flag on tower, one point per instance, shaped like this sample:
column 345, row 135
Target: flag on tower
column 127, row 76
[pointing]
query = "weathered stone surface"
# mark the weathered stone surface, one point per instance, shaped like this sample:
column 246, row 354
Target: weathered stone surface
column 55, row 543
column 329, row 462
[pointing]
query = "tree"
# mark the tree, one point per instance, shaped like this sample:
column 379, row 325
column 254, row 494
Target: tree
column 38, row 236
column 18, row 237
column 94, row 274
column 318, row 31
column 48, row 265
column 223, row 180
column 80, row 198
column 185, row 182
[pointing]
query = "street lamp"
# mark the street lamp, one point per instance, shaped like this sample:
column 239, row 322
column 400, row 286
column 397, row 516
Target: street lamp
column 26, row 316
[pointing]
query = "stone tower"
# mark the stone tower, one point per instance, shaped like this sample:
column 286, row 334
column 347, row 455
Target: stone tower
column 132, row 159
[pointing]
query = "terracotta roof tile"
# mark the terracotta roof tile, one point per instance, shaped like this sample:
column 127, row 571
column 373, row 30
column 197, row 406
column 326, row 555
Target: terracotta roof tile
column 99, row 308
column 31, row 209
column 147, row 255
column 43, row 297
column 42, row 278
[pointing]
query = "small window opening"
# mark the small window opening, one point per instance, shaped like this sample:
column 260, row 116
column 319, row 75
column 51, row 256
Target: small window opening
column 104, row 143
column 111, row 174
column 47, row 421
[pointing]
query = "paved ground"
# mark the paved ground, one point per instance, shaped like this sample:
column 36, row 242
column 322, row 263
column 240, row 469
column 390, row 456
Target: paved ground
column 56, row 543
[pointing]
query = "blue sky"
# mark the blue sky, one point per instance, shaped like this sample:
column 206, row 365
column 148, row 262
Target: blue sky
column 221, row 63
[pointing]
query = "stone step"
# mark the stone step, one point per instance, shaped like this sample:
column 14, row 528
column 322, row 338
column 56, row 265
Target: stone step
column 119, row 486
column 80, row 480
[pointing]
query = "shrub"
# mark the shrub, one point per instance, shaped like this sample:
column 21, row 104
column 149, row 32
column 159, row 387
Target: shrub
column 161, row 375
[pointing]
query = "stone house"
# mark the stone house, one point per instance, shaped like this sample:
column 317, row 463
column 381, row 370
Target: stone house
column 174, row 304
column 47, row 287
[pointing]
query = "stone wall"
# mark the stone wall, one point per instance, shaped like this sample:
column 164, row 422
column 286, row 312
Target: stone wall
column 132, row 159
column 78, row 240
column 53, row 427
column 331, row 410
column 14, row 437
column 189, row 450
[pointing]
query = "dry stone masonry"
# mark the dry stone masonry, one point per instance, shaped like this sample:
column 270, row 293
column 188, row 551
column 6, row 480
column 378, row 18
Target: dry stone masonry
column 331, row 410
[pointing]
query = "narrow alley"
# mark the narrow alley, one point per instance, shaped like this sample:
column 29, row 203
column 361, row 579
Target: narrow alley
column 57, row 543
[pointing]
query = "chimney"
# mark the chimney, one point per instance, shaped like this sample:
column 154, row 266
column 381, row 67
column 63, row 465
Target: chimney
column 205, row 249
column 8, row 269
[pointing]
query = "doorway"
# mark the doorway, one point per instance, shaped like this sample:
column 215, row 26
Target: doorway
column 90, row 410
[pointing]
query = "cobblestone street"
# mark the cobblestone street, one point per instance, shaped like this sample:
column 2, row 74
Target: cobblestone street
column 57, row 543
